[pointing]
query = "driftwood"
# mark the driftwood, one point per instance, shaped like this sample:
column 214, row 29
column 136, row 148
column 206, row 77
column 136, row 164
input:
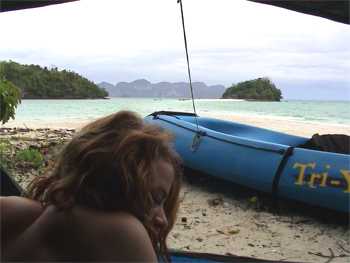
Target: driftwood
column 330, row 257
column 342, row 247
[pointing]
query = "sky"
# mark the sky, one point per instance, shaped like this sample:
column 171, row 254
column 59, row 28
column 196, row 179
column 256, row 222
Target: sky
column 229, row 41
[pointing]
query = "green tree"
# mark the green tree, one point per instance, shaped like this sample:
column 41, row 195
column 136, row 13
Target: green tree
column 37, row 82
column 10, row 97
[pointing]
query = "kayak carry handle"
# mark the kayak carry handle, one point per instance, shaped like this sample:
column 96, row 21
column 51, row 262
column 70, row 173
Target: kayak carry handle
column 172, row 113
column 197, row 140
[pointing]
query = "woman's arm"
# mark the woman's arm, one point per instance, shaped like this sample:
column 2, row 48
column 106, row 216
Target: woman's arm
column 16, row 214
column 122, row 238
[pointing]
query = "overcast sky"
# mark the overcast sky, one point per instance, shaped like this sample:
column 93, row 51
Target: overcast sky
column 229, row 41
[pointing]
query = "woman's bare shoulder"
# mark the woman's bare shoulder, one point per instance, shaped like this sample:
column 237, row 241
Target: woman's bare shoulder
column 119, row 236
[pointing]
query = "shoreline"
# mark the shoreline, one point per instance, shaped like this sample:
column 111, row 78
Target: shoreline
column 282, row 124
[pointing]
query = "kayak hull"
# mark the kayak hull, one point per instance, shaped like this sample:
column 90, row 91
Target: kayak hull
column 261, row 159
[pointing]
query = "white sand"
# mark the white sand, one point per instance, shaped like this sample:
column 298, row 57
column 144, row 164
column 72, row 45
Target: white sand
column 234, row 226
column 287, row 125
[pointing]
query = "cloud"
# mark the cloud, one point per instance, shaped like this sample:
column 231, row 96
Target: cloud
column 229, row 41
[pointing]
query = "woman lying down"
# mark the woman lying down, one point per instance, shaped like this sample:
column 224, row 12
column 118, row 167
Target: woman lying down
column 112, row 196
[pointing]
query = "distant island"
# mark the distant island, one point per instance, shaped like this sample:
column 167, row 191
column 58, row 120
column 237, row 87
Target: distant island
column 142, row 88
column 36, row 82
column 261, row 89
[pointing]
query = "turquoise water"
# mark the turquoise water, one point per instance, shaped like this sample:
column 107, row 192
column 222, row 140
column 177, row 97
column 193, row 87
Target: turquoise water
column 67, row 110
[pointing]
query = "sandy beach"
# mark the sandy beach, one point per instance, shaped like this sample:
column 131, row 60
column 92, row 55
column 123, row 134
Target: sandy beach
column 287, row 125
column 222, row 218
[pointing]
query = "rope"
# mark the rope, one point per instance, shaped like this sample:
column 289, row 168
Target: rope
column 188, row 63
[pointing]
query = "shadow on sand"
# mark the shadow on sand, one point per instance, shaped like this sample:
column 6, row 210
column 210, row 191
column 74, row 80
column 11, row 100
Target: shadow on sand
column 303, row 213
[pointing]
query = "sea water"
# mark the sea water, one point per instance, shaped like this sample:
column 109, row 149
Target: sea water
column 336, row 112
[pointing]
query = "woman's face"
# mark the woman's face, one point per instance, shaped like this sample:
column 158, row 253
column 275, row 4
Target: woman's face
column 161, row 180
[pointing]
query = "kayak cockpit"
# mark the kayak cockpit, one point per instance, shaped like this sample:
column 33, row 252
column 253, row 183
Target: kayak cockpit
column 246, row 131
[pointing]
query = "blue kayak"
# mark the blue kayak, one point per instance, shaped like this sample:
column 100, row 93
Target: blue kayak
column 195, row 257
column 261, row 159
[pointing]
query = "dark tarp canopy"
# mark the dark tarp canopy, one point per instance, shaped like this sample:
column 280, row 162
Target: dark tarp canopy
column 11, row 5
column 336, row 10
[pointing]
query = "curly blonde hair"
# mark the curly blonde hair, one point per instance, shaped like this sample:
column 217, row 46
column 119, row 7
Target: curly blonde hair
column 107, row 165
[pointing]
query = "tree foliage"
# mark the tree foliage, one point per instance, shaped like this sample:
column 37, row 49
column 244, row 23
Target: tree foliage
column 36, row 82
column 257, row 89
column 10, row 97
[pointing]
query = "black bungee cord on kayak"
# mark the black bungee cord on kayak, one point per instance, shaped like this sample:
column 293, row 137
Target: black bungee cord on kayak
column 196, row 139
